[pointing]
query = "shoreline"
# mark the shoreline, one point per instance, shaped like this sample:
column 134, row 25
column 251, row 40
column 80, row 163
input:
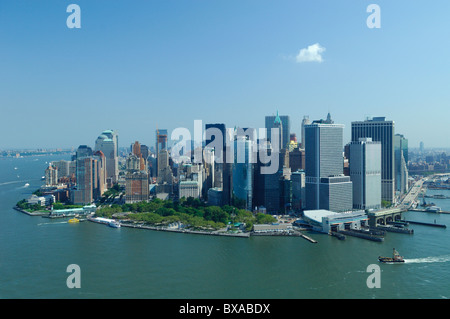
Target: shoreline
column 185, row 231
column 31, row 213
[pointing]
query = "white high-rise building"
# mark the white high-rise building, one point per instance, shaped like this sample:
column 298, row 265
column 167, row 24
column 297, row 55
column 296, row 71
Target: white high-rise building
column 365, row 173
column 326, row 186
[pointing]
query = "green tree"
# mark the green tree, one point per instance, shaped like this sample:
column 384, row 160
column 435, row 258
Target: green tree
column 265, row 219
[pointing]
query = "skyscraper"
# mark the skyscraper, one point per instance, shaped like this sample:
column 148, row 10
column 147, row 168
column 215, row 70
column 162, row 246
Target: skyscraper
column 51, row 175
column 382, row 131
column 298, row 190
column 216, row 137
column 84, row 175
column 107, row 143
column 161, row 140
column 282, row 121
column 243, row 172
column 365, row 173
column 326, row 186
column 401, row 162
column 212, row 131
column 305, row 121
column 100, row 179
column 136, row 187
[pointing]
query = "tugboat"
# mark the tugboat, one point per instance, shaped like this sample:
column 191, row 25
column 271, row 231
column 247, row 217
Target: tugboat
column 396, row 258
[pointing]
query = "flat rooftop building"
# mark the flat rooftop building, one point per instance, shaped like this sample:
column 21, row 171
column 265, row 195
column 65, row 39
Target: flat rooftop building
column 325, row 221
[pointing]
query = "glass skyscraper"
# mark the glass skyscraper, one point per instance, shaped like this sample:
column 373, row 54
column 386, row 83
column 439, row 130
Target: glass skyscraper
column 242, row 173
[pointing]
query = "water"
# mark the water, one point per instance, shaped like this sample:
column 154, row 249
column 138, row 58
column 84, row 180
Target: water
column 132, row 263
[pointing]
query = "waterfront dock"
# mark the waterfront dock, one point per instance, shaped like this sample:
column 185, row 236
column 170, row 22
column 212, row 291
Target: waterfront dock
column 427, row 224
column 370, row 235
column 293, row 233
column 394, row 229
column 307, row 238
column 337, row 235
column 429, row 211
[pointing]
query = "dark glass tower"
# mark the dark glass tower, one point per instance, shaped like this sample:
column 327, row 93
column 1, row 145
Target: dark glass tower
column 282, row 121
column 382, row 131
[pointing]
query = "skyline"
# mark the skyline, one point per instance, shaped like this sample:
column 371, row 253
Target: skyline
column 137, row 67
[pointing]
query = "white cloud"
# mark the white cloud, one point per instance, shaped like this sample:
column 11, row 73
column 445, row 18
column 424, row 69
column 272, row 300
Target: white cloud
column 312, row 53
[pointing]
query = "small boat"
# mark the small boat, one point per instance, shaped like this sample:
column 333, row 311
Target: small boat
column 74, row 220
column 26, row 185
column 114, row 224
column 396, row 258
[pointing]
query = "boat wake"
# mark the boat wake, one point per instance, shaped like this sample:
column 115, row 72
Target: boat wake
column 13, row 182
column 54, row 223
column 435, row 259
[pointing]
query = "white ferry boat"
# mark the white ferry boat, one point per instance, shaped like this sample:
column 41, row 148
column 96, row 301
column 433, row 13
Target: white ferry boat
column 114, row 224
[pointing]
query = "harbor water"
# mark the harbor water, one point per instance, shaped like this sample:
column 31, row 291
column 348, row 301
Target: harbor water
column 133, row 263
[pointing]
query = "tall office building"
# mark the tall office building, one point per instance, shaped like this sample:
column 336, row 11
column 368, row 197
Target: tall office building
column 221, row 151
column 401, row 163
column 298, row 190
column 90, row 175
column 365, row 173
column 305, row 121
column 84, row 189
column 107, row 143
column 380, row 130
column 136, row 187
column 272, row 191
column 165, row 175
column 282, row 121
column 136, row 149
column 209, row 166
column 63, row 168
column 243, row 172
column 326, row 186
column 297, row 159
column 161, row 140
column 100, row 178
column 51, row 175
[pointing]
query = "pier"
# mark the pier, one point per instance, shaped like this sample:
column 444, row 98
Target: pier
column 394, row 229
column 429, row 211
column 437, row 196
column 308, row 238
column 427, row 224
column 370, row 235
column 337, row 235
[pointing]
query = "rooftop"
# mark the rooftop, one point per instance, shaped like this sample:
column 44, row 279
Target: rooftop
column 318, row 214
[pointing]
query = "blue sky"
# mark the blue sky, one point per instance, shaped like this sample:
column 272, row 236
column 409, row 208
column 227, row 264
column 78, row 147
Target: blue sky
column 137, row 65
